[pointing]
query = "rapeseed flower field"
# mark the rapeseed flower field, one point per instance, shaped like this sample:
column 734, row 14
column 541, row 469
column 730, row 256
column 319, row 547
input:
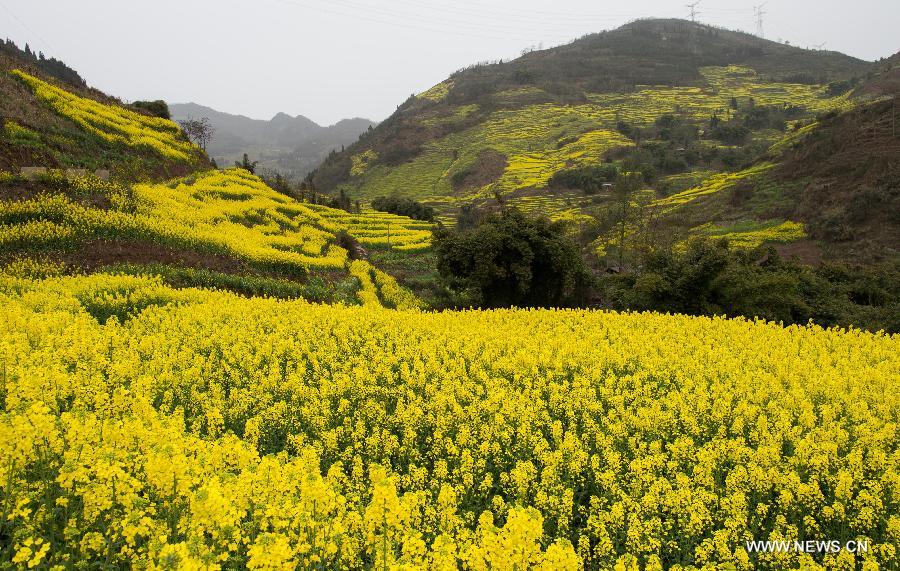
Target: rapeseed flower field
column 113, row 123
column 539, row 138
column 231, row 213
column 152, row 427
column 149, row 427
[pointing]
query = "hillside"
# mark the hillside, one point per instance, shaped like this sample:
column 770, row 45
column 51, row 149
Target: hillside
column 201, row 372
column 680, row 103
column 207, row 228
column 830, row 189
column 51, row 66
column 292, row 146
column 52, row 124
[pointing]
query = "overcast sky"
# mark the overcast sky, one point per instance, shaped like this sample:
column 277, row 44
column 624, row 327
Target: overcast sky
column 330, row 59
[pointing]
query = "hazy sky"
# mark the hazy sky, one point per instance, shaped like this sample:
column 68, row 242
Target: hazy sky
column 330, row 59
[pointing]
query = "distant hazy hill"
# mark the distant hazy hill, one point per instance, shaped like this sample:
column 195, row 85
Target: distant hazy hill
column 293, row 145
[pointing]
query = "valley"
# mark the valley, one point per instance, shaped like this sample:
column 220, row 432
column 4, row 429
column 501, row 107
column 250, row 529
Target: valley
column 627, row 303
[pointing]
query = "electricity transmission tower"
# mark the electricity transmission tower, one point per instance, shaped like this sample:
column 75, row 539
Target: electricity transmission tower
column 693, row 9
column 758, row 13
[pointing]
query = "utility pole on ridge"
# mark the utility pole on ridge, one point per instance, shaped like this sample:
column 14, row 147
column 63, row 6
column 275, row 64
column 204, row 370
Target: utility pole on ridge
column 758, row 13
column 694, row 12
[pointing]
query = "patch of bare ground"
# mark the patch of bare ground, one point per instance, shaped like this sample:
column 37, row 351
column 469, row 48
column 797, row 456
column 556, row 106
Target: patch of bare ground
column 488, row 167
column 95, row 254
column 805, row 251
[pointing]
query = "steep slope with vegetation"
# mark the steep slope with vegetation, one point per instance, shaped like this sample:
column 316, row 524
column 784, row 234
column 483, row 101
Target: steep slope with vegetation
column 685, row 105
column 52, row 124
column 221, row 229
column 829, row 189
column 564, row 104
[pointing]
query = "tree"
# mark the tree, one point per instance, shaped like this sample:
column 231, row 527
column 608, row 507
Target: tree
column 247, row 164
column 199, row 131
column 509, row 259
column 589, row 179
column 342, row 201
column 627, row 183
column 278, row 182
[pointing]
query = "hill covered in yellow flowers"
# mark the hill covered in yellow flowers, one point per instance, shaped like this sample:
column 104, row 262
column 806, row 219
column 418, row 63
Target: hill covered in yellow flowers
column 697, row 111
column 210, row 228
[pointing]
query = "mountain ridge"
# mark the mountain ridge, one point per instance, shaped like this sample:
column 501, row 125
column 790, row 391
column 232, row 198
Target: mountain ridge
column 676, row 101
column 288, row 144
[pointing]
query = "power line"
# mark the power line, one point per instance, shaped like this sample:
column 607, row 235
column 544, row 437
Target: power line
column 530, row 17
column 758, row 12
column 417, row 23
column 28, row 29
column 468, row 20
column 693, row 9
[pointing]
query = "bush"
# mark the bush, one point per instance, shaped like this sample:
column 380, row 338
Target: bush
column 707, row 278
column 589, row 179
column 404, row 207
column 731, row 134
column 158, row 108
column 509, row 259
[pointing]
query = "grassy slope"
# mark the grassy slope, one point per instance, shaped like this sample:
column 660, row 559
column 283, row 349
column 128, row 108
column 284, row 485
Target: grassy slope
column 506, row 128
column 33, row 134
column 213, row 229
column 837, row 177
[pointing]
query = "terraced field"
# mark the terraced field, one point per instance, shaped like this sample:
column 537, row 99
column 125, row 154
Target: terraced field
column 228, row 214
column 538, row 140
column 112, row 123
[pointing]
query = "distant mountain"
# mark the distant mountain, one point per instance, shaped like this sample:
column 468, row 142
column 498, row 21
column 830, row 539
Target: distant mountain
column 290, row 145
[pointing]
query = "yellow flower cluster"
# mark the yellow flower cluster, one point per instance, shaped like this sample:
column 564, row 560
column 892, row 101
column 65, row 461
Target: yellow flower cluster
column 438, row 92
column 113, row 123
column 20, row 135
column 185, row 429
column 225, row 212
column 235, row 212
column 232, row 213
column 713, row 185
column 753, row 234
column 361, row 162
column 380, row 289
column 533, row 170
column 377, row 229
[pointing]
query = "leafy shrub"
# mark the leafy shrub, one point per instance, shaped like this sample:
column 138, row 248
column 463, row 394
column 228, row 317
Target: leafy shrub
column 709, row 278
column 731, row 134
column 404, row 207
column 157, row 108
column 509, row 259
column 589, row 179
